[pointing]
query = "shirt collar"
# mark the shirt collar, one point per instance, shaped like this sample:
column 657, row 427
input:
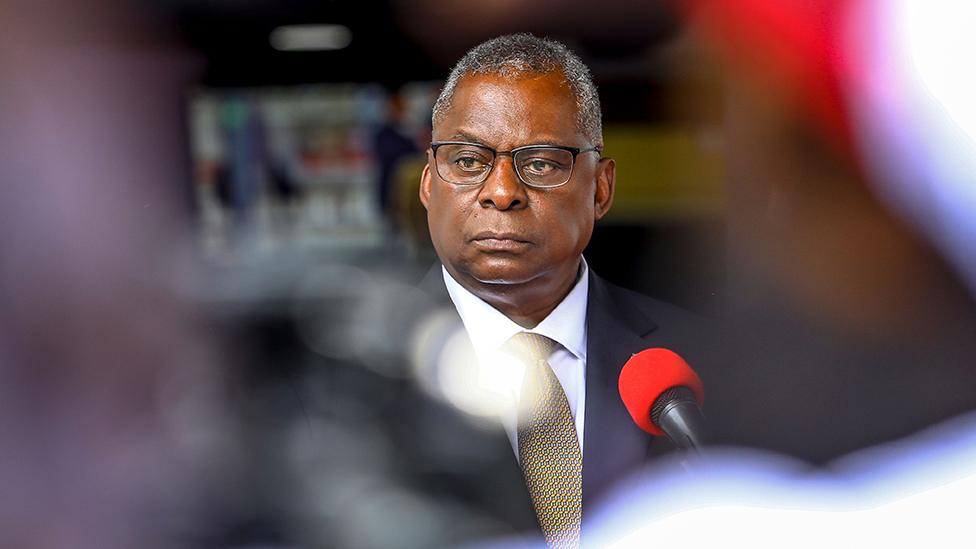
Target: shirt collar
column 489, row 329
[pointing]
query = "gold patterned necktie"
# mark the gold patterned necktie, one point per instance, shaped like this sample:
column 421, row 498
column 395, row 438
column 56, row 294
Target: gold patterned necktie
column 549, row 451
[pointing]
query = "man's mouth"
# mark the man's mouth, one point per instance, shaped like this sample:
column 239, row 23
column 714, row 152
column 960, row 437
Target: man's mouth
column 499, row 242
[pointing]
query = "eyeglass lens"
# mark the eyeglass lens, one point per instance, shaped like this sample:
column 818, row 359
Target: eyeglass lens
column 537, row 166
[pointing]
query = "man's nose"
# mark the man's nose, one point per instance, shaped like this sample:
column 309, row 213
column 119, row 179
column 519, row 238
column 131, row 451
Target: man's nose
column 502, row 189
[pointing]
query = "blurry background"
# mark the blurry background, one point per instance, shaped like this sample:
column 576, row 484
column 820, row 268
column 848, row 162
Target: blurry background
column 310, row 120
column 210, row 231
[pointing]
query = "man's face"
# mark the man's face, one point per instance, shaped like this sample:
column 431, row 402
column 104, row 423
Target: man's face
column 503, row 231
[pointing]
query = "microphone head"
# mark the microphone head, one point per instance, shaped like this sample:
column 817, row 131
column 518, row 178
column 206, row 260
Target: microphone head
column 650, row 374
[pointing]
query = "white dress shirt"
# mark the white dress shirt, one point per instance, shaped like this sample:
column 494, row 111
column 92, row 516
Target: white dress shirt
column 502, row 375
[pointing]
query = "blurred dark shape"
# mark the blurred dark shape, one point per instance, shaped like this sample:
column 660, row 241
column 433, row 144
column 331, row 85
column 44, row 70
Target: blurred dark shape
column 617, row 30
column 234, row 38
column 248, row 171
column 246, row 157
column 391, row 145
column 346, row 448
column 411, row 216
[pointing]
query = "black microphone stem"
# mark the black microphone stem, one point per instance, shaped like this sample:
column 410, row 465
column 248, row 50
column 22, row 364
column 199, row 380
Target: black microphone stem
column 684, row 424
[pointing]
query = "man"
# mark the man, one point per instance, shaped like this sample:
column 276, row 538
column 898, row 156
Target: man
column 514, row 182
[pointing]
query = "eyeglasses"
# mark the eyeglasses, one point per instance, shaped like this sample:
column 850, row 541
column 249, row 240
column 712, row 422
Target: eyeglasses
column 540, row 166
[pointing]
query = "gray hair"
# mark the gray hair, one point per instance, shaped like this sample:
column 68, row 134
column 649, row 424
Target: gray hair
column 517, row 54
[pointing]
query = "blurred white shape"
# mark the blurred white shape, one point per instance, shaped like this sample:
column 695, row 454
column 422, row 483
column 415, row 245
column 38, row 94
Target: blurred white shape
column 936, row 517
column 914, row 118
column 915, row 492
column 446, row 366
column 939, row 35
column 310, row 37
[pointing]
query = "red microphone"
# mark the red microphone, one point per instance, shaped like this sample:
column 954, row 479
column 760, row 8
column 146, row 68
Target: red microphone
column 664, row 396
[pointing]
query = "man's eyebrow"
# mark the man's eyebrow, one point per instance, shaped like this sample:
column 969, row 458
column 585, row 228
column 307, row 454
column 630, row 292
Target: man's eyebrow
column 550, row 142
column 462, row 135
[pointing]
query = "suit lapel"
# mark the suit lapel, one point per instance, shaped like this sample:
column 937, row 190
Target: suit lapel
column 613, row 445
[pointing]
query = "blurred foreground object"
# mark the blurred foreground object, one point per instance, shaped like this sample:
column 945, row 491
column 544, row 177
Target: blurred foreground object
column 853, row 308
column 912, row 493
column 880, row 81
column 108, row 406
column 915, row 117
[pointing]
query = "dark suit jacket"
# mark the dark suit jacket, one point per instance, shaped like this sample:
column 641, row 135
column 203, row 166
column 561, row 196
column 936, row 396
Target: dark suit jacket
column 619, row 323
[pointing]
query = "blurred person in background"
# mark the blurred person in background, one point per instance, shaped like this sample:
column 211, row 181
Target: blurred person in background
column 391, row 144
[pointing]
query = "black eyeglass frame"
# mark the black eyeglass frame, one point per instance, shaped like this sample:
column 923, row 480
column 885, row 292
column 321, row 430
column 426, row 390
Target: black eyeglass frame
column 576, row 151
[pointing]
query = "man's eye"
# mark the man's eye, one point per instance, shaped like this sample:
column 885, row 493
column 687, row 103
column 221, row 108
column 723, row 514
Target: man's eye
column 469, row 163
column 539, row 167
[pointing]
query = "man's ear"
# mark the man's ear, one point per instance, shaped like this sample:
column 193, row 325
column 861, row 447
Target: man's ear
column 606, row 182
column 425, row 186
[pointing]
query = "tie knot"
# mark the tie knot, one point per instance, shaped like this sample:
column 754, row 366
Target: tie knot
column 531, row 348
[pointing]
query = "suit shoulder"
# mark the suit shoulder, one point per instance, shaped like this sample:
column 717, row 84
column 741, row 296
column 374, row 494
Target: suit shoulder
column 655, row 309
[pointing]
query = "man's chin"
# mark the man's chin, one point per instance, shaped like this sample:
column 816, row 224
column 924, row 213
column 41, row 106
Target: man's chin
column 499, row 275
column 503, row 278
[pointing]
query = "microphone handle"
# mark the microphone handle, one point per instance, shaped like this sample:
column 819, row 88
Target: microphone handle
column 684, row 424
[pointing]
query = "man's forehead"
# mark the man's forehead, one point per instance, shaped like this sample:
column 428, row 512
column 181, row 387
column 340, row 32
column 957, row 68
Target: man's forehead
column 539, row 137
column 539, row 107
